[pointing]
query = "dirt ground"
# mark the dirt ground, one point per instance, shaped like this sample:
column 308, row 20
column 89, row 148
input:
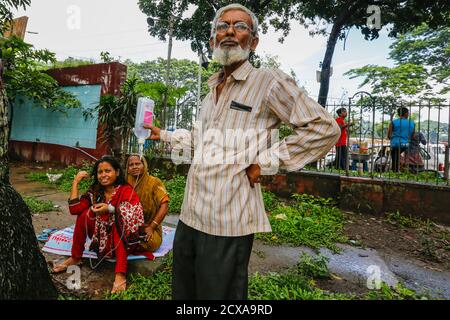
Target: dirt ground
column 430, row 246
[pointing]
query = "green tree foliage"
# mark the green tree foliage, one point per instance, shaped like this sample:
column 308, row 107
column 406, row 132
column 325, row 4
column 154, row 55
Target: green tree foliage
column 70, row 62
column 23, row 76
column 183, row 91
column 421, row 62
column 427, row 47
column 317, row 16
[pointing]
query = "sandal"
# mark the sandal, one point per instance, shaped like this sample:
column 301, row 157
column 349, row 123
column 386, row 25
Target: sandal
column 119, row 287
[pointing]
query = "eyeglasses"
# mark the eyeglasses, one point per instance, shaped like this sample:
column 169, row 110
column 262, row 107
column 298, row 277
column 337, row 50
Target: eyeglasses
column 222, row 27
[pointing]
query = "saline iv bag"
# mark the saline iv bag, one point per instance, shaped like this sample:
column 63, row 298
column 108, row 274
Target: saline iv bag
column 144, row 115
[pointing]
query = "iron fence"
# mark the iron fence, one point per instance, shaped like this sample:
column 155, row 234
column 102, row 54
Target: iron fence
column 423, row 156
column 418, row 151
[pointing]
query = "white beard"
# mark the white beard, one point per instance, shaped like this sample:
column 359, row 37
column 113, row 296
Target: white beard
column 230, row 56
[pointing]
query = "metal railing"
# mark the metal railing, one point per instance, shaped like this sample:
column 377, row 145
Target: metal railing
column 420, row 155
column 369, row 153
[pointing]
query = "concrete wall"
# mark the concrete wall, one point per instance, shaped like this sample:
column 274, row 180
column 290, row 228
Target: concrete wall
column 45, row 136
column 34, row 124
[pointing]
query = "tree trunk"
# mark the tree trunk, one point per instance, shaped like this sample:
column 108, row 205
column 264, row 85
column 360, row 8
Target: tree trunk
column 331, row 44
column 23, row 270
column 326, row 64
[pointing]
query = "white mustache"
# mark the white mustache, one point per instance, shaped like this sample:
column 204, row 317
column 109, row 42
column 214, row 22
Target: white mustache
column 228, row 40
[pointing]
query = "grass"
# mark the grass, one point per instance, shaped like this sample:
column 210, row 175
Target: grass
column 65, row 182
column 156, row 287
column 309, row 221
column 288, row 286
column 39, row 206
column 297, row 283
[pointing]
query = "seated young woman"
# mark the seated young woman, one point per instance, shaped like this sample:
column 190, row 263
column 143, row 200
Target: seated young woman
column 154, row 199
column 110, row 214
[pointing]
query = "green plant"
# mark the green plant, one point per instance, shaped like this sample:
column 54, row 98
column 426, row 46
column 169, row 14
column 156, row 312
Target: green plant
column 429, row 248
column 270, row 200
column 313, row 267
column 403, row 220
column 156, row 287
column 306, row 223
column 37, row 176
column 175, row 188
column 38, row 206
column 310, row 199
column 287, row 286
column 399, row 292
column 158, row 174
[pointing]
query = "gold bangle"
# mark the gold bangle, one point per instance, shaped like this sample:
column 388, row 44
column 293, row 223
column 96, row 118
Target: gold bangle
column 153, row 221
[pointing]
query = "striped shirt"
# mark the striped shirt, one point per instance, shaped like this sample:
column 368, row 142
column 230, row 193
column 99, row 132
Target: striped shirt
column 218, row 198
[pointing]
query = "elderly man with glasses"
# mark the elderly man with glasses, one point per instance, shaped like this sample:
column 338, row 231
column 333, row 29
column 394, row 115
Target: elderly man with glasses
column 223, row 206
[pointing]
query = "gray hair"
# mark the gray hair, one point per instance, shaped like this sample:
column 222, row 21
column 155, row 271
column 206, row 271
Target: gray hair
column 235, row 6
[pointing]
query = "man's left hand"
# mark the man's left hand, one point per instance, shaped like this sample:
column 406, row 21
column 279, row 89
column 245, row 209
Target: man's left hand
column 253, row 173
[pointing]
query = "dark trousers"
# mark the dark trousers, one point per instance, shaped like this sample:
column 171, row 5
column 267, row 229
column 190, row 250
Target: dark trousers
column 208, row 267
column 341, row 157
column 395, row 156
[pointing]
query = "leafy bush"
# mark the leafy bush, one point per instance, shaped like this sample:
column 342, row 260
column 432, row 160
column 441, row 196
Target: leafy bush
column 270, row 200
column 176, row 187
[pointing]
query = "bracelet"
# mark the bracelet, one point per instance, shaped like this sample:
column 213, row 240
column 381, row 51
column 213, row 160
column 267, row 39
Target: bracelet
column 153, row 221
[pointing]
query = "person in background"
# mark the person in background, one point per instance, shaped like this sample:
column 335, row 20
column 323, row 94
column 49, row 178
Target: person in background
column 110, row 214
column 411, row 158
column 154, row 199
column 400, row 133
column 341, row 145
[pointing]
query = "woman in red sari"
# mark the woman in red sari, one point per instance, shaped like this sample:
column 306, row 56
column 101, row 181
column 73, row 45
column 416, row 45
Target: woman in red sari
column 110, row 214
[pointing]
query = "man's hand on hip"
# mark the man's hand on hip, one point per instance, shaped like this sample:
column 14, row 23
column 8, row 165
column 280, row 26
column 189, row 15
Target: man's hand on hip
column 253, row 173
column 154, row 132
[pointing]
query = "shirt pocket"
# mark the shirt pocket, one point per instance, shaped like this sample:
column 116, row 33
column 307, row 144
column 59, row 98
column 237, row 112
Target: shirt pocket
column 239, row 115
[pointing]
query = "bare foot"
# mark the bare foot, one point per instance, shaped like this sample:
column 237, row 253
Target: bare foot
column 63, row 266
column 120, row 283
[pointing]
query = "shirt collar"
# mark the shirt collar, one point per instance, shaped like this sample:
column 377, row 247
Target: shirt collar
column 240, row 74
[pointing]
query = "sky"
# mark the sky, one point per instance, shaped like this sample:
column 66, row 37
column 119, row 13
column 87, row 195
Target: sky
column 84, row 28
